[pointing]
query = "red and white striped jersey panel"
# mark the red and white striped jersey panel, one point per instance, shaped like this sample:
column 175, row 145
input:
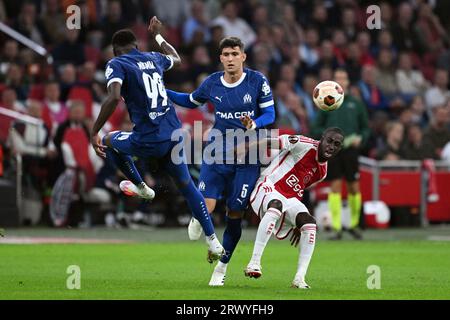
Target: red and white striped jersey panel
column 296, row 167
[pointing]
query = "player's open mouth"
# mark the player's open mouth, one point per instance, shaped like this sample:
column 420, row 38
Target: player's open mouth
column 328, row 154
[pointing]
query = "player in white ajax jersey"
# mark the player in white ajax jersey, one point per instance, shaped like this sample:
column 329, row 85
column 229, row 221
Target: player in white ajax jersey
column 276, row 199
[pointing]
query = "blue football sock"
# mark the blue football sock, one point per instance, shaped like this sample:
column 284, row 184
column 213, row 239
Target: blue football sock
column 231, row 237
column 125, row 164
column 197, row 204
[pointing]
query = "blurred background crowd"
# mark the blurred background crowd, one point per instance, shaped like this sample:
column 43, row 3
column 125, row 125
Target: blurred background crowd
column 400, row 73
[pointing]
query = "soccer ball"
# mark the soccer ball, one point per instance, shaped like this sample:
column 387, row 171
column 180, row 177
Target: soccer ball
column 328, row 95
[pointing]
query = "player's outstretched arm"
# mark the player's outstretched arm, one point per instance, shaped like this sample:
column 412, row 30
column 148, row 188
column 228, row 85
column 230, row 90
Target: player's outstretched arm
column 181, row 99
column 106, row 110
column 155, row 28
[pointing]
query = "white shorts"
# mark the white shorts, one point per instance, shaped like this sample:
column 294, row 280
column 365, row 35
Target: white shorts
column 265, row 192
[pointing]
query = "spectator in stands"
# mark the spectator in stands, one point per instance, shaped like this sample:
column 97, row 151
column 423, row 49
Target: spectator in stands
column 31, row 141
column 27, row 23
column 233, row 25
column 259, row 17
column 8, row 102
column 309, row 50
column 394, row 140
column 353, row 62
column 385, row 78
column 53, row 21
column 113, row 21
column 386, row 15
column 348, row 22
column 405, row 37
column 432, row 35
column 54, row 110
column 384, row 41
column 68, row 78
column 437, row 135
column 292, row 29
column 410, row 82
column 75, row 120
column 10, row 54
column 70, row 50
column 15, row 80
column 414, row 148
column 197, row 22
column 418, row 109
column 339, row 46
column 364, row 43
column 308, row 85
column 371, row 94
column 438, row 94
column 201, row 63
column 290, row 113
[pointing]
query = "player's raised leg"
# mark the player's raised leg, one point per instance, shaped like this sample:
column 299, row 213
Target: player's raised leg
column 265, row 230
column 196, row 202
column 118, row 144
column 307, row 226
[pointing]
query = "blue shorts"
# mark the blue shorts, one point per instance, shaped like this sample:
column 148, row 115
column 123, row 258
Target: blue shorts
column 236, row 181
column 125, row 142
column 175, row 165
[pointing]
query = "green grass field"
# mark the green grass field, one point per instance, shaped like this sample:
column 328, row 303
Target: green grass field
column 161, row 267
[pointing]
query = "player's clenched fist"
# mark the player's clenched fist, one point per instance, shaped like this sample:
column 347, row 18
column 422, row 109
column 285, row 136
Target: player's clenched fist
column 247, row 122
column 155, row 25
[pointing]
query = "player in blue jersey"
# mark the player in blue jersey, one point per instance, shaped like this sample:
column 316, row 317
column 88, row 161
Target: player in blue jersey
column 242, row 99
column 137, row 77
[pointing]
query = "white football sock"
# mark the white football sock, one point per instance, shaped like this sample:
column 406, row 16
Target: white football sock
column 265, row 230
column 222, row 267
column 307, row 243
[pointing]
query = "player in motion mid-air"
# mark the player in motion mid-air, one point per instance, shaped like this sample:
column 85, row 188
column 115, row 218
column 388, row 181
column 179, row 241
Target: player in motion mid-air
column 137, row 77
column 277, row 196
column 242, row 99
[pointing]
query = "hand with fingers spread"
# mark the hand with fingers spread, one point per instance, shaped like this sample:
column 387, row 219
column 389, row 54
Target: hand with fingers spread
column 295, row 237
column 248, row 122
column 99, row 148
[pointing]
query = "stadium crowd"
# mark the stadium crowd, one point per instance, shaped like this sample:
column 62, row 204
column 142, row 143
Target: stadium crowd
column 400, row 73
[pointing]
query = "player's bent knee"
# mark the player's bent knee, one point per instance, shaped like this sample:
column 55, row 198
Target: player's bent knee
column 276, row 204
column 304, row 218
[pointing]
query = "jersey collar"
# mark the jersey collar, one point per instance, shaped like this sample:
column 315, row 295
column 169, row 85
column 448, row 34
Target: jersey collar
column 235, row 84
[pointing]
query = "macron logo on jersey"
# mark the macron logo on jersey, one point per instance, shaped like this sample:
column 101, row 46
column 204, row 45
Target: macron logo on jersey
column 146, row 65
column 234, row 115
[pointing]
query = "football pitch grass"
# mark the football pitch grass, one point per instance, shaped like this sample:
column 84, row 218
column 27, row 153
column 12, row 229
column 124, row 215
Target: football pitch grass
column 161, row 265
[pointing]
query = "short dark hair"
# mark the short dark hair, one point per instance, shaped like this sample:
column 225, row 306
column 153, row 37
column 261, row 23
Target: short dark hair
column 334, row 129
column 123, row 38
column 231, row 42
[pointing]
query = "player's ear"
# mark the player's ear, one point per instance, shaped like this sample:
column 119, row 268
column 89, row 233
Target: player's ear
column 244, row 56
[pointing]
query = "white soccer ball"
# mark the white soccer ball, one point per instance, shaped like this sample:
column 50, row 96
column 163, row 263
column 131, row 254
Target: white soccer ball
column 328, row 95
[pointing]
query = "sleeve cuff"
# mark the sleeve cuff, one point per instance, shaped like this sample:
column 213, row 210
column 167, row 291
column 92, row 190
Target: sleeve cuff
column 194, row 101
column 266, row 104
column 114, row 80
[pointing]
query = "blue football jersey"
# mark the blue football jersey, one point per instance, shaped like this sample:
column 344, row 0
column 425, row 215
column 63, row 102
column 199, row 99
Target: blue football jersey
column 247, row 96
column 150, row 110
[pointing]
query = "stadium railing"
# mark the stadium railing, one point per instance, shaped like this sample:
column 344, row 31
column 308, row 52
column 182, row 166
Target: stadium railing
column 420, row 184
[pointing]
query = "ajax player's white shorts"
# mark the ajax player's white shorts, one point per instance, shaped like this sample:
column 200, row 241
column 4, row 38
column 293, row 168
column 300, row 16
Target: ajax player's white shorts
column 265, row 192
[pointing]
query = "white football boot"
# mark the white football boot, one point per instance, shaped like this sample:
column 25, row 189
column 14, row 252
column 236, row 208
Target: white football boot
column 253, row 270
column 218, row 277
column 215, row 249
column 195, row 229
column 143, row 191
column 300, row 284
